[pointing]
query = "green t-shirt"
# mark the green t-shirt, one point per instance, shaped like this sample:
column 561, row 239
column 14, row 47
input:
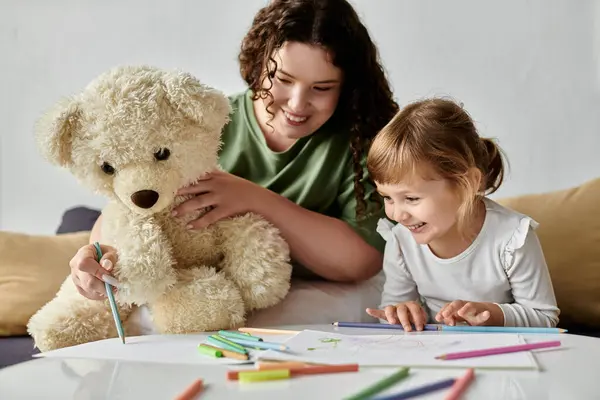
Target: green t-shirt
column 316, row 172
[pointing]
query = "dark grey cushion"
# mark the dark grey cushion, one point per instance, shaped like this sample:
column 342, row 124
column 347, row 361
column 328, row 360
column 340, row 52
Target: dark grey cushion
column 78, row 219
column 16, row 349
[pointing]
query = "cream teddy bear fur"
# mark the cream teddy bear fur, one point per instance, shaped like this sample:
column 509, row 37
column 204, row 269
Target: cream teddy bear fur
column 137, row 134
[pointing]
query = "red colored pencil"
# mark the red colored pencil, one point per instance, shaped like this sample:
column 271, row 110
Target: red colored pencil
column 498, row 350
column 191, row 391
column 460, row 385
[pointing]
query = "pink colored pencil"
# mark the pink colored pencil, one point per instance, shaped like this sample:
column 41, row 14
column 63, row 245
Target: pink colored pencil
column 499, row 350
column 460, row 385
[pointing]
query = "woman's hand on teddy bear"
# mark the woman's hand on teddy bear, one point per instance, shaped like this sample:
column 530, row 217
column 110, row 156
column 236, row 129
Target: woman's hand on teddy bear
column 225, row 194
column 89, row 275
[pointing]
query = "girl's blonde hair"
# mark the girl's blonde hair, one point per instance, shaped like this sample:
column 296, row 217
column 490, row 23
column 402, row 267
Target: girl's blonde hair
column 440, row 135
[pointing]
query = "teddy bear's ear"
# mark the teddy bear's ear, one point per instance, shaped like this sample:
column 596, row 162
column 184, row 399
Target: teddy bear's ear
column 54, row 131
column 198, row 102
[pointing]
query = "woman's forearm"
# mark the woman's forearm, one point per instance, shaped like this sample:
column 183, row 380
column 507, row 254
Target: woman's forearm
column 327, row 246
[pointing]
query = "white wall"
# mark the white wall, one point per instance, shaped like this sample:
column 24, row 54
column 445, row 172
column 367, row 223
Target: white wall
column 528, row 71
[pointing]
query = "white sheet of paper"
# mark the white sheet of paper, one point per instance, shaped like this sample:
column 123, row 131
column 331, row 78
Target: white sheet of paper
column 401, row 350
column 172, row 349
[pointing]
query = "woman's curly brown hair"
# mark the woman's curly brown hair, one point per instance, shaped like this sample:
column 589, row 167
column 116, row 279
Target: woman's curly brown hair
column 366, row 103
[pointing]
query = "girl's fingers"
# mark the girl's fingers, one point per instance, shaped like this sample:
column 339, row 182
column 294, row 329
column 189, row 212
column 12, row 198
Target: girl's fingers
column 417, row 316
column 390, row 314
column 376, row 313
column 404, row 316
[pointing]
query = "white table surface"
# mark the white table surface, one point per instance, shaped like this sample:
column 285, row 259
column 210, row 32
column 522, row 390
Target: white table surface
column 569, row 372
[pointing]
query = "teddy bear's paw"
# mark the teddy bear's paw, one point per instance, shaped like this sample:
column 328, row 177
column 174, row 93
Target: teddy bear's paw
column 257, row 259
column 52, row 328
column 202, row 300
column 70, row 319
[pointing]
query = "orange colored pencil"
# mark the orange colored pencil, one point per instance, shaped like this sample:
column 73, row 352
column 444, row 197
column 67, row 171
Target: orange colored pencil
column 263, row 366
column 191, row 391
column 229, row 354
column 309, row 370
column 267, row 331
column 460, row 386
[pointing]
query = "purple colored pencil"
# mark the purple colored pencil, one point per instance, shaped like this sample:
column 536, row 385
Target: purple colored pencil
column 341, row 324
column 421, row 390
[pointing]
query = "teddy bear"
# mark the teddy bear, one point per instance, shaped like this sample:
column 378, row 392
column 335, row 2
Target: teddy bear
column 137, row 134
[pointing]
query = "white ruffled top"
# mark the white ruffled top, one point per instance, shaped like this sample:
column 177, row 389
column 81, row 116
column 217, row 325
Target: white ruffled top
column 504, row 265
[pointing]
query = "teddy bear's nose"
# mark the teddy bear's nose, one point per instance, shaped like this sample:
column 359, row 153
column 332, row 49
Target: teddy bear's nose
column 144, row 198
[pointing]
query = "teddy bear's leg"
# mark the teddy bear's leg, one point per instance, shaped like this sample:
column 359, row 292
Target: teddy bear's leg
column 201, row 300
column 70, row 319
column 257, row 259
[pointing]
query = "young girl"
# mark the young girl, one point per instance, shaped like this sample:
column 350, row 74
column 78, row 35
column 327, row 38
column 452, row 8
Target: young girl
column 454, row 256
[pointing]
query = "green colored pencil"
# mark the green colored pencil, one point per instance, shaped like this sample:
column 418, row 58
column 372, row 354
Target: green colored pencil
column 380, row 385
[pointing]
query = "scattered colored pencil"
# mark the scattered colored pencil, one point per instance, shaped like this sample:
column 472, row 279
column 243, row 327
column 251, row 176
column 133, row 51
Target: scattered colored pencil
column 267, row 331
column 341, row 324
column 191, row 391
column 210, row 351
column 294, row 371
column 381, row 385
column 419, row 391
column 245, row 336
column 260, row 345
column 263, row 365
column 227, row 353
column 500, row 329
column 461, row 385
column 498, row 350
column 218, row 341
column 457, row 328
column 258, row 376
column 111, row 298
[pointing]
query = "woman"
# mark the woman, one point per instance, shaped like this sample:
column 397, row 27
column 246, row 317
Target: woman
column 294, row 149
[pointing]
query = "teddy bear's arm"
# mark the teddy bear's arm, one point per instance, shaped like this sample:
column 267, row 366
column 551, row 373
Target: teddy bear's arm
column 145, row 261
column 256, row 258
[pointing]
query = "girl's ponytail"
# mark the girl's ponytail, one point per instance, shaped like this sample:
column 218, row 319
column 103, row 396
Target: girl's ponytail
column 495, row 166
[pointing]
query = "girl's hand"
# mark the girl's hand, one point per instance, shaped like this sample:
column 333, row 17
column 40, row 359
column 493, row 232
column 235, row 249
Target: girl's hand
column 406, row 313
column 224, row 193
column 473, row 313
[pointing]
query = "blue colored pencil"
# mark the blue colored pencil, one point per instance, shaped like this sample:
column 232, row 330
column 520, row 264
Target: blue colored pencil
column 500, row 329
column 256, row 344
column 111, row 299
column 431, row 387
column 341, row 324
column 457, row 328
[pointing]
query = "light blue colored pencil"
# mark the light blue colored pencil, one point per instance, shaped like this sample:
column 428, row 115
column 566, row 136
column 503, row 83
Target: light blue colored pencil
column 260, row 345
column 111, row 299
column 226, row 344
column 500, row 329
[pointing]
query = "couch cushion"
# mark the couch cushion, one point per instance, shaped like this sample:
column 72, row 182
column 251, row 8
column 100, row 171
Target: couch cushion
column 32, row 267
column 569, row 232
column 16, row 349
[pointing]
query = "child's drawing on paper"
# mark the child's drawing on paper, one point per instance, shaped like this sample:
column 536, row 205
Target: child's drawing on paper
column 333, row 341
column 399, row 350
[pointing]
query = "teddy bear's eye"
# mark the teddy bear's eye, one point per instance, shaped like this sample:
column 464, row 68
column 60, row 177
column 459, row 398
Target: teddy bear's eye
column 107, row 168
column 162, row 154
